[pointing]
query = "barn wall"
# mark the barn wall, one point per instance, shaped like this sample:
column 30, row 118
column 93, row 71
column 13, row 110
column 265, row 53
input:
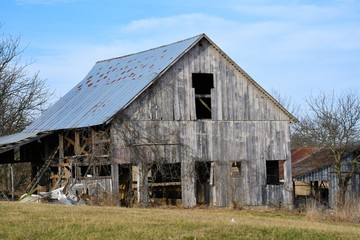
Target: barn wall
column 353, row 191
column 246, row 126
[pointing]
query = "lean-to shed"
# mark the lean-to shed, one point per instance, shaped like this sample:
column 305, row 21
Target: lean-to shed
column 181, row 123
column 314, row 168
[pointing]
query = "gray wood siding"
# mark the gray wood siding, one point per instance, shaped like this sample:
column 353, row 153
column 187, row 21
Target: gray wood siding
column 227, row 141
column 234, row 97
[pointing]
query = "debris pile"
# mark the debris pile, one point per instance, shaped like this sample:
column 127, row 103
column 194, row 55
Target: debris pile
column 63, row 195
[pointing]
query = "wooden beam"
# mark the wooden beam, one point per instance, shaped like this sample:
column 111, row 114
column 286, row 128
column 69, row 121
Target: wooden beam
column 77, row 143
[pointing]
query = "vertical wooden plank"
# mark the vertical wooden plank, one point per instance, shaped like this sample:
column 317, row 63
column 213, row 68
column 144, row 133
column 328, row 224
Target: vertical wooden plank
column 222, row 180
column 114, row 160
column 77, row 143
column 181, row 91
column 288, row 186
column 142, row 184
column 61, row 158
column 188, row 183
column 61, row 148
column 115, row 182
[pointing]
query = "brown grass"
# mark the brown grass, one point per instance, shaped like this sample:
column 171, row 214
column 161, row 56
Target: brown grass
column 349, row 213
column 45, row 221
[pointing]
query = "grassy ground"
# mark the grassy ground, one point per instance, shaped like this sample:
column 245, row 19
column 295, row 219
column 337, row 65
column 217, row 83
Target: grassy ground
column 45, row 221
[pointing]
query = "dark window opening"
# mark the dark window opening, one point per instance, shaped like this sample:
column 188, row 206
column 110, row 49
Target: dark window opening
column 104, row 170
column 203, row 83
column 272, row 173
column 203, row 108
column 165, row 182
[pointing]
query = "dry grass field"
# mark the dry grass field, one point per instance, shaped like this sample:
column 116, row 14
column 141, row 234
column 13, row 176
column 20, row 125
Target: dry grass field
column 45, row 221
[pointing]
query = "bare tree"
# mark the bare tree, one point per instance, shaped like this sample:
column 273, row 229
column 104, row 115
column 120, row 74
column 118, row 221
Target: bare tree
column 22, row 96
column 333, row 121
column 287, row 102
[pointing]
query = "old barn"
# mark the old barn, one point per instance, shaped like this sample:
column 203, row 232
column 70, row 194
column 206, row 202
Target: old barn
column 177, row 124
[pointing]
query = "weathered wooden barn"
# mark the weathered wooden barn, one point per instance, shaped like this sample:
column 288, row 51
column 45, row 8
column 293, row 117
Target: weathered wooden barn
column 181, row 123
column 314, row 168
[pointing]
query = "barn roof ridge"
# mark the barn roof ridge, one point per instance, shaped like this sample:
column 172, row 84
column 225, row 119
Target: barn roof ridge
column 150, row 49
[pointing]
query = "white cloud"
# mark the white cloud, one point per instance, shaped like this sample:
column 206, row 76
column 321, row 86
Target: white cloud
column 290, row 12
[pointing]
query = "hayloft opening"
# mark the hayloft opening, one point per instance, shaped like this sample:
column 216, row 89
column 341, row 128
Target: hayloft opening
column 203, row 83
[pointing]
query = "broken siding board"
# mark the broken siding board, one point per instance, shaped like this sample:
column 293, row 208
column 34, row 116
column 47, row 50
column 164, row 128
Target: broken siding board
column 192, row 107
column 222, row 83
column 175, row 83
column 231, row 82
column 216, row 92
column 209, row 129
column 187, row 78
column 179, row 91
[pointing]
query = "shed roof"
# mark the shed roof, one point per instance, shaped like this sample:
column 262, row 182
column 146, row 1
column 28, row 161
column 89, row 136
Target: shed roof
column 308, row 159
column 113, row 84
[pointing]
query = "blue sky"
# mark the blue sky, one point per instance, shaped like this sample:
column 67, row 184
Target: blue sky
column 293, row 47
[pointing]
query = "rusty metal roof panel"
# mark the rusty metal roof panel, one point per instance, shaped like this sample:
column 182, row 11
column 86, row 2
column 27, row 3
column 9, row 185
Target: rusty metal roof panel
column 311, row 160
column 109, row 87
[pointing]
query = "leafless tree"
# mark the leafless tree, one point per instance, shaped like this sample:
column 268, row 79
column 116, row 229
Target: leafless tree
column 333, row 121
column 294, row 109
column 287, row 102
column 22, row 95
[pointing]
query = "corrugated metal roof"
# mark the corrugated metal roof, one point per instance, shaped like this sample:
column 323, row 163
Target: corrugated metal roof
column 110, row 86
column 13, row 138
column 10, row 141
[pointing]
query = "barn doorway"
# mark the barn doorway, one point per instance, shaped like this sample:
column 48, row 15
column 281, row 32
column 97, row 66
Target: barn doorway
column 202, row 170
column 126, row 193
